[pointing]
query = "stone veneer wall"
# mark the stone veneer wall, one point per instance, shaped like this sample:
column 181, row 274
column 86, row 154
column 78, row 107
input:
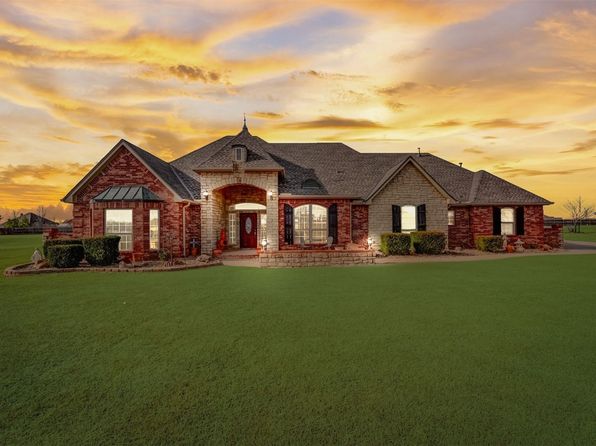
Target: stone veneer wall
column 212, row 208
column 474, row 221
column 125, row 169
column 343, row 217
column 409, row 187
column 294, row 259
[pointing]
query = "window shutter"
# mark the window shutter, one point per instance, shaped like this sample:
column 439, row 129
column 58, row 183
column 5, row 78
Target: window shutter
column 519, row 220
column 396, row 214
column 332, row 221
column 288, row 224
column 496, row 221
column 421, row 217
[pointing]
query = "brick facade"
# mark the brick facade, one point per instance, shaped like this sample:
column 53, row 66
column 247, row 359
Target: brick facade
column 343, row 217
column 474, row 221
column 203, row 219
column 125, row 169
column 360, row 225
column 408, row 187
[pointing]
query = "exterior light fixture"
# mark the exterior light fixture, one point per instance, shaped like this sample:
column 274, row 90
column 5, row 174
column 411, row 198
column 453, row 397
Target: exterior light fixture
column 270, row 194
column 370, row 242
column 205, row 195
column 264, row 244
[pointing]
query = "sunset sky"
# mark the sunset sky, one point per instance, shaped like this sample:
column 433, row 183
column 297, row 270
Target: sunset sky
column 509, row 87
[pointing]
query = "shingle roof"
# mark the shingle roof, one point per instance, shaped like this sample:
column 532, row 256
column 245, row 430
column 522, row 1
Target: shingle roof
column 173, row 178
column 127, row 193
column 257, row 157
column 338, row 169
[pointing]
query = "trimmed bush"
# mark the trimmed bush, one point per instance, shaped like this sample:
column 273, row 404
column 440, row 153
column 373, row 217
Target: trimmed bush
column 489, row 243
column 59, row 241
column 395, row 243
column 101, row 251
column 65, row 256
column 429, row 242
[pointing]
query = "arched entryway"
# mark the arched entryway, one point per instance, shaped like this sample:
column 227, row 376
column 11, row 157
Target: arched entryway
column 242, row 215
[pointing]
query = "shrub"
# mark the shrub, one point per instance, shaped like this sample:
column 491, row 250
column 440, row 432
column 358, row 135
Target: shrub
column 490, row 243
column 429, row 242
column 59, row 241
column 101, row 251
column 65, row 256
column 393, row 243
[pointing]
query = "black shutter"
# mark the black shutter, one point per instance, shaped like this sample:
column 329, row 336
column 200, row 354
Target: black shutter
column 288, row 224
column 332, row 221
column 421, row 217
column 519, row 220
column 396, row 214
column 496, row 221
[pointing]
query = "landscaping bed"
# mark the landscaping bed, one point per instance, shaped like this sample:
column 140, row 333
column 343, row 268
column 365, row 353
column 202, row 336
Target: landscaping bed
column 147, row 266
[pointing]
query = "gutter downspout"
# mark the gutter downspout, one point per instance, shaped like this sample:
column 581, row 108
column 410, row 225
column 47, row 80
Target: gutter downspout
column 184, row 227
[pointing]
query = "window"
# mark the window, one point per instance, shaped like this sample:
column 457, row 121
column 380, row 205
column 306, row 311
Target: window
column 310, row 224
column 408, row 218
column 153, row 228
column 507, row 221
column 233, row 228
column 450, row 218
column 239, row 153
column 119, row 222
column 263, row 227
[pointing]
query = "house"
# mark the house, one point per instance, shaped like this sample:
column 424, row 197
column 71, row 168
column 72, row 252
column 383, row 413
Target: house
column 31, row 220
column 245, row 192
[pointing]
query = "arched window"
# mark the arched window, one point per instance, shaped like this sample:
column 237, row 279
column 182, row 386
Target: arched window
column 310, row 224
column 310, row 184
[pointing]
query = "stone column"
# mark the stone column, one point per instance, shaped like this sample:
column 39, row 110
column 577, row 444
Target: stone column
column 273, row 221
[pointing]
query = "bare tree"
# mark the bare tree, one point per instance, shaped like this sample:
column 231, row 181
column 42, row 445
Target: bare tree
column 578, row 212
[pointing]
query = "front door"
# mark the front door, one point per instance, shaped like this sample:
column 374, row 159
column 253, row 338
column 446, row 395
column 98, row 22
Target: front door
column 248, row 230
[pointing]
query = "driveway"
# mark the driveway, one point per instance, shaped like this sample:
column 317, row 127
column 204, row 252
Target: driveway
column 573, row 245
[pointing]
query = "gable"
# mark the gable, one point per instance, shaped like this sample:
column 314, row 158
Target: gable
column 120, row 168
column 409, row 175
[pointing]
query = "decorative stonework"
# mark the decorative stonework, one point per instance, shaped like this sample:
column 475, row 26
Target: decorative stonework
column 295, row 259
column 213, row 209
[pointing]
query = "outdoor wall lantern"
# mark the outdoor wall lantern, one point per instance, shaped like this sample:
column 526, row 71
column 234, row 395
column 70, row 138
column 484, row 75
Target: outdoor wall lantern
column 270, row 194
column 370, row 242
column 205, row 195
column 264, row 244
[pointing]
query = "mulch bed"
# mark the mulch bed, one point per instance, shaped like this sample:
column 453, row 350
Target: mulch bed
column 141, row 267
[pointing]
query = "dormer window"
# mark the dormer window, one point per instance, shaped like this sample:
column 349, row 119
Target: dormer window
column 239, row 153
column 310, row 184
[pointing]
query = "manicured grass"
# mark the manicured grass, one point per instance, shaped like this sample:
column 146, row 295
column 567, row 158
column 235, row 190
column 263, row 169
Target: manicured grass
column 587, row 234
column 492, row 352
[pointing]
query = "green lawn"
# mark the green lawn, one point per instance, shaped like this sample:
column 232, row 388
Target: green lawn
column 492, row 352
column 587, row 234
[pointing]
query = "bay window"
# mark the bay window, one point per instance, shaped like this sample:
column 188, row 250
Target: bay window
column 119, row 222
column 310, row 224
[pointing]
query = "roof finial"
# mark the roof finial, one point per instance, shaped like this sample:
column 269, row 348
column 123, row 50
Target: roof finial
column 244, row 127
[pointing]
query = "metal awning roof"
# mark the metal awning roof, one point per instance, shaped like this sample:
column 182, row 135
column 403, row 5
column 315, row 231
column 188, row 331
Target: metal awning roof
column 127, row 193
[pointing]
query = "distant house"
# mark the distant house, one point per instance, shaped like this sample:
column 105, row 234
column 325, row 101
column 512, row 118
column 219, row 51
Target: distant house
column 289, row 196
column 34, row 221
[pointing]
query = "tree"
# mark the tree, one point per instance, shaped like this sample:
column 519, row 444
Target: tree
column 578, row 212
column 16, row 222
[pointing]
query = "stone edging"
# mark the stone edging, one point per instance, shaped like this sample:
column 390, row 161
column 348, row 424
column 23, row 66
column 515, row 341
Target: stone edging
column 18, row 270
